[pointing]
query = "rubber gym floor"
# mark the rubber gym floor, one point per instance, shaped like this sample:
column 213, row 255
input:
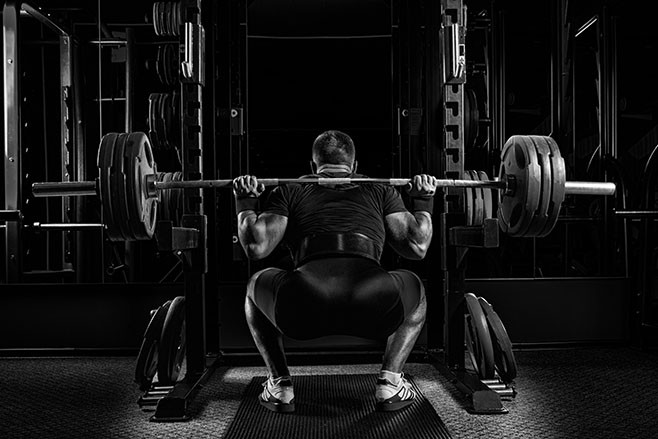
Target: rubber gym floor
column 569, row 393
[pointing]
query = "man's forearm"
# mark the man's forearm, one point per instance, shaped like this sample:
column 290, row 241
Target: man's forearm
column 248, row 230
column 420, row 233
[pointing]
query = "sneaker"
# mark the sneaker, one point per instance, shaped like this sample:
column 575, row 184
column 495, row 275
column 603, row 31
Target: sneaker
column 391, row 397
column 278, row 395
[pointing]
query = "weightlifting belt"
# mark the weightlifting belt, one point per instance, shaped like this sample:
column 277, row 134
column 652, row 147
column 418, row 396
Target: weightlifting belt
column 328, row 244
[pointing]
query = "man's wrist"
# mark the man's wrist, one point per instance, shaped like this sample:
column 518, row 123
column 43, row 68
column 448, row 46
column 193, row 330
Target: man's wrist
column 421, row 204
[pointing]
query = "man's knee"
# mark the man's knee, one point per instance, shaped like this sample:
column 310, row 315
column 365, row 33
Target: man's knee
column 260, row 290
column 414, row 298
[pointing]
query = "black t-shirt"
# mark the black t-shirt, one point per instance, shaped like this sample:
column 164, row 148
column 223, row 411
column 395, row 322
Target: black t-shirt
column 347, row 208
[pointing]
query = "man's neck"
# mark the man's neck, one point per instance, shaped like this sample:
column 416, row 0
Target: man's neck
column 334, row 169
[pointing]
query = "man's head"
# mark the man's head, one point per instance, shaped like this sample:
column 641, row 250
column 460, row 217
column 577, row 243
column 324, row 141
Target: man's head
column 333, row 148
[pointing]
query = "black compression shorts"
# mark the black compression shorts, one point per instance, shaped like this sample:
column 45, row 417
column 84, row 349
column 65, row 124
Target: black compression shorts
column 336, row 296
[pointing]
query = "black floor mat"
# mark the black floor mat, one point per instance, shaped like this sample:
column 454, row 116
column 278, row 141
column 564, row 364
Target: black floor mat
column 334, row 406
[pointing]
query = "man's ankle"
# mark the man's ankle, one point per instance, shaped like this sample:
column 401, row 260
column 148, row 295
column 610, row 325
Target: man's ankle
column 392, row 377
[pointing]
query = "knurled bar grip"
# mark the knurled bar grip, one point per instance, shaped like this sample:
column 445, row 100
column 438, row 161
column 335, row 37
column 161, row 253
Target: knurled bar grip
column 72, row 188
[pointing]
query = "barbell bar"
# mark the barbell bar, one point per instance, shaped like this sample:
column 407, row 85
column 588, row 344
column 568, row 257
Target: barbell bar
column 84, row 188
column 531, row 185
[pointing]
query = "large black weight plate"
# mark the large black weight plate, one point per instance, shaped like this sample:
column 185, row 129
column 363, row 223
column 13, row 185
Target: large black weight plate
column 168, row 119
column 478, row 201
column 487, row 198
column 543, row 157
column 153, row 133
column 559, row 176
column 160, row 122
column 139, row 163
column 147, row 359
column 478, row 338
column 469, row 202
column 155, row 18
column 520, row 166
column 176, row 124
column 171, row 352
column 167, row 18
column 178, row 17
column 104, row 162
column 159, row 63
column 503, row 354
column 166, row 60
column 471, row 118
column 119, row 191
column 161, row 19
column 176, row 200
column 165, row 194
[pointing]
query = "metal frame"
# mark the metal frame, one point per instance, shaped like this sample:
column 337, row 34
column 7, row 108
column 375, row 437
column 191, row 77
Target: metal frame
column 174, row 405
column 445, row 79
column 13, row 192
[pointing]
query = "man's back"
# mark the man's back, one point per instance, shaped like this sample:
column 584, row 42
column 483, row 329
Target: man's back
column 314, row 209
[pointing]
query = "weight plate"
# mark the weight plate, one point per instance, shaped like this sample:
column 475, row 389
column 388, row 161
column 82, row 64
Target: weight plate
column 153, row 135
column 471, row 118
column 520, row 166
column 132, row 191
column 159, row 18
column 167, row 116
column 178, row 200
column 559, row 175
column 503, row 354
column 487, row 197
column 171, row 352
column 172, row 19
column 158, row 64
column 480, row 338
column 178, row 17
column 155, row 18
column 166, row 64
column 176, row 119
column 139, row 164
column 469, row 338
column 157, row 123
column 162, row 121
column 173, row 65
column 147, row 359
column 162, row 19
column 543, row 157
column 167, row 17
column 119, row 190
column 469, row 208
column 165, row 206
column 104, row 163
column 478, row 201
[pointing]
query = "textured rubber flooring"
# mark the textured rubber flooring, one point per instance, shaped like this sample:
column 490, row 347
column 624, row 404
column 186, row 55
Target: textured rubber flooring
column 570, row 394
column 335, row 406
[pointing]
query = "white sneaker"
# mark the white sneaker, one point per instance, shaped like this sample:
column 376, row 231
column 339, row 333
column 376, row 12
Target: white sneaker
column 278, row 395
column 391, row 396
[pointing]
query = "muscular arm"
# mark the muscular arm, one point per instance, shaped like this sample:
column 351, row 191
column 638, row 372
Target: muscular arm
column 260, row 234
column 409, row 234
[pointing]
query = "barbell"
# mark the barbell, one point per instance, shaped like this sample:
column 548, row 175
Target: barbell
column 531, row 185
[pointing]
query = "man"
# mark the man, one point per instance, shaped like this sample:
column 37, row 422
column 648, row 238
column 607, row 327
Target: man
column 338, row 285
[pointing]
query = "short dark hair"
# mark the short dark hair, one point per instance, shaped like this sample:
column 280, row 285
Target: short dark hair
column 333, row 148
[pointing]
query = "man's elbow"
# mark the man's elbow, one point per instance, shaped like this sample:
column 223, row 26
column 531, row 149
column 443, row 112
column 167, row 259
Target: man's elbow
column 419, row 254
